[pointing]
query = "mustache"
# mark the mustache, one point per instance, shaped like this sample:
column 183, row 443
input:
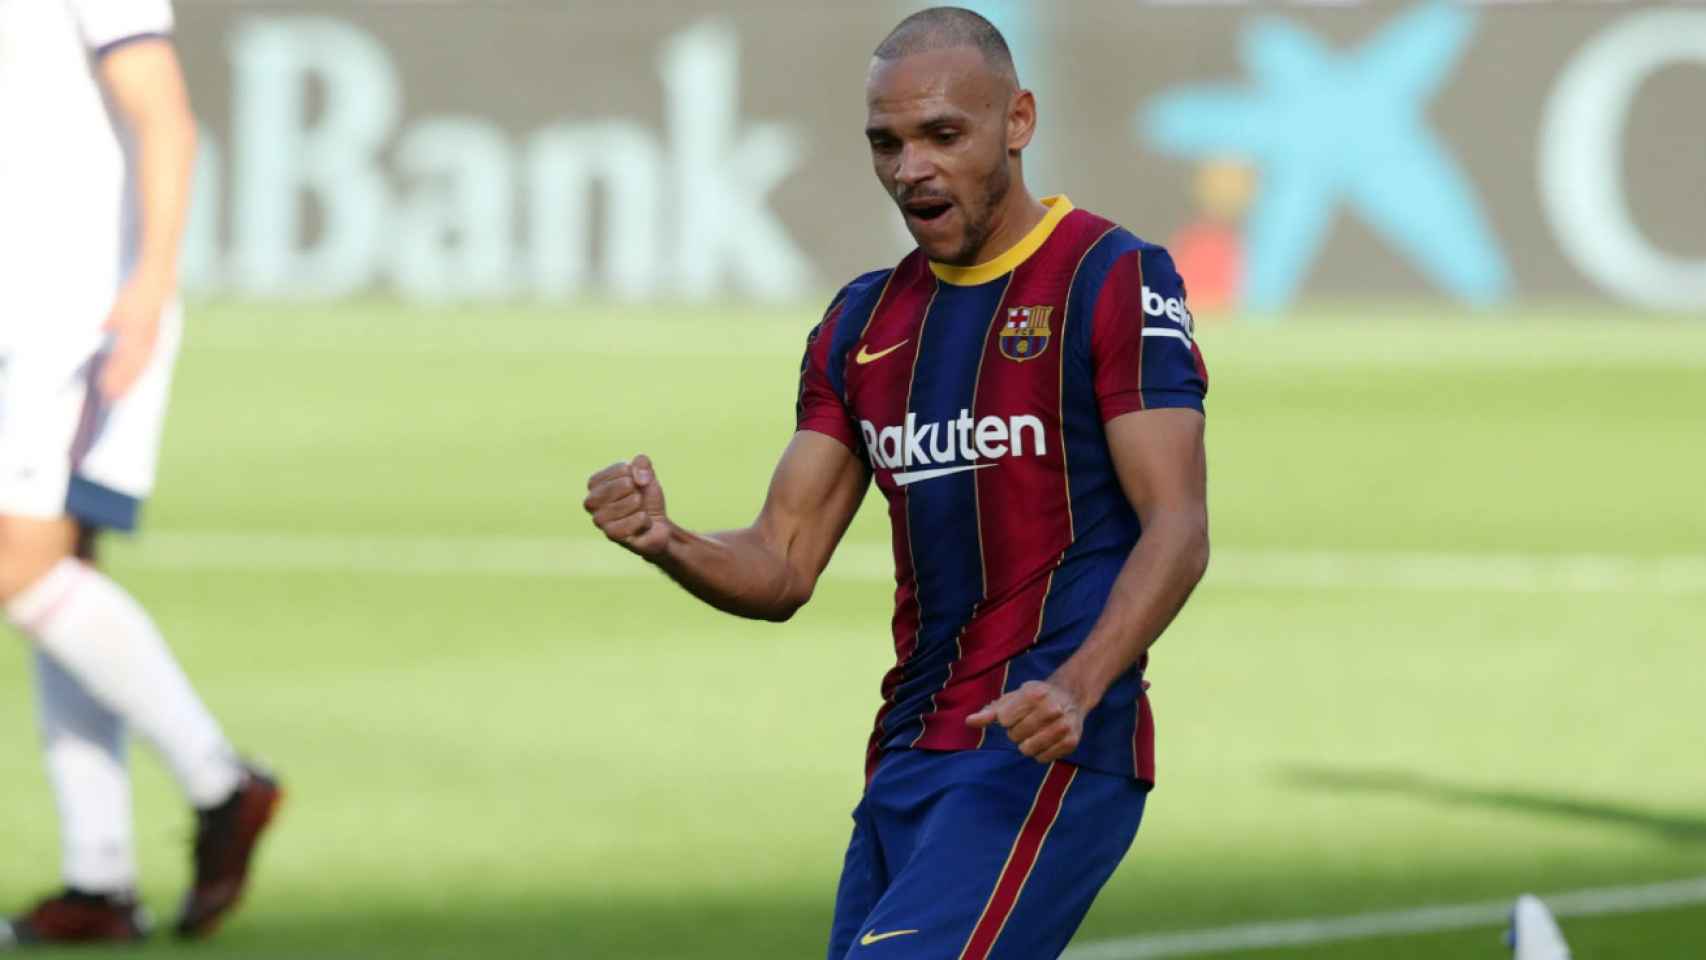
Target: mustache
column 904, row 197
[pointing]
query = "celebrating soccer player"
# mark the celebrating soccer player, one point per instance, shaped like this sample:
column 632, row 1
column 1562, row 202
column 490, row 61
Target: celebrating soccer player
column 1026, row 390
column 94, row 181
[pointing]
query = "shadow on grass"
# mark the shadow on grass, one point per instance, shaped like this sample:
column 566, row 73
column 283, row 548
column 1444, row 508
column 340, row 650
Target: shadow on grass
column 629, row 928
column 1673, row 827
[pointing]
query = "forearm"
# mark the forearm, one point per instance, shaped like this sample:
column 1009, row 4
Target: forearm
column 765, row 571
column 165, row 157
column 736, row 571
column 1158, row 577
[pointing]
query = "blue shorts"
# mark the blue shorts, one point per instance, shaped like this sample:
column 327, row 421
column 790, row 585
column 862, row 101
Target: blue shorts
column 978, row 854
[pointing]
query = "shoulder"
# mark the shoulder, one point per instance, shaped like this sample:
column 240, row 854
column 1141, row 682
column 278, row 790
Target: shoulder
column 1122, row 274
column 853, row 305
column 829, row 337
column 1113, row 241
column 860, row 288
column 1119, row 261
column 1157, row 282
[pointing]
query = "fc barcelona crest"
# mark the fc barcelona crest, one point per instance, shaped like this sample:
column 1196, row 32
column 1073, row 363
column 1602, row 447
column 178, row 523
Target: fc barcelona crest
column 1025, row 335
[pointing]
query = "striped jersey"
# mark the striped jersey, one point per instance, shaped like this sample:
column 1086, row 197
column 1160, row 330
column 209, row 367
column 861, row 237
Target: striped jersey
column 977, row 397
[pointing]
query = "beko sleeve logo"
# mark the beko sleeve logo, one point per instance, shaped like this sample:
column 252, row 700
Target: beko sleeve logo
column 1170, row 308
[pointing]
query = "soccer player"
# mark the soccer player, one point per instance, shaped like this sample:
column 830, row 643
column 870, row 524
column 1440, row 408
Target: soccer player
column 94, row 181
column 1025, row 389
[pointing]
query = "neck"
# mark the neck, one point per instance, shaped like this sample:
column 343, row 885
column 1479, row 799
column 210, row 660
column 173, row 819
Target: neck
column 1018, row 213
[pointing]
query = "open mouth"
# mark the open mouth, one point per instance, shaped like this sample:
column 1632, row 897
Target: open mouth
column 927, row 209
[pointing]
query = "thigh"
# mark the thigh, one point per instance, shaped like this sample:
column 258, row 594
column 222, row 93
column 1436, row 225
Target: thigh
column 1098, row 821
column 1006, row 863
column 863, row 879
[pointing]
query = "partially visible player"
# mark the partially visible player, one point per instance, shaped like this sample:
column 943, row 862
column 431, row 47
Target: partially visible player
column 94, row 181
column 1026, row 390
column 1534, row 933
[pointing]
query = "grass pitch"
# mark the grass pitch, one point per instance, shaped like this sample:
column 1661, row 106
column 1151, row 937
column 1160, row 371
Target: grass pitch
column 501, row 739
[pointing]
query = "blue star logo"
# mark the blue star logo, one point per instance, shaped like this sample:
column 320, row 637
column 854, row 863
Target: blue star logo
column 1325, row 128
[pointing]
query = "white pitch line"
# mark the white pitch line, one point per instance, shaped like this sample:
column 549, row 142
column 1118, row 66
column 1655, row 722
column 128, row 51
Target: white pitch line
column 1603, row 901
column 1499, row 573
column 863, row 562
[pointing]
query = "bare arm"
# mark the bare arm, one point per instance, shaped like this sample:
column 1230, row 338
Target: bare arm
column 146, row 85
column 1162, row 466
column 765, row 571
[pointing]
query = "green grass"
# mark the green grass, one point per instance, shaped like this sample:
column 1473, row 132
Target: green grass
column 594, row 766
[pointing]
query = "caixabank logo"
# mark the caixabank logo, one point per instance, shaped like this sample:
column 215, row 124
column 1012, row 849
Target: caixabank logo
column 1483, row 151
column 1325, row 129
column 1312, row 132
column 325, row 185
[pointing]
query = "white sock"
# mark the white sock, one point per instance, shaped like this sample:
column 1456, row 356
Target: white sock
column 94, row 630
column 84, row 745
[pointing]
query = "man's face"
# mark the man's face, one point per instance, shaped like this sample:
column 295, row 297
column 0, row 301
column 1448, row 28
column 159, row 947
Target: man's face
column 937, row 124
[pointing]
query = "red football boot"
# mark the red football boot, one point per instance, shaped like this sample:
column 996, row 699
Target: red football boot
column 77, row 917
column 225, row 840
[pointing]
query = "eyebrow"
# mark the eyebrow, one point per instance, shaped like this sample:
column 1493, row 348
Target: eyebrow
column 929, row 123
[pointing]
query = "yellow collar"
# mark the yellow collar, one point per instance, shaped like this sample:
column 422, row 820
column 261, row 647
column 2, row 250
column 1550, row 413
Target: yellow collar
column 1058, row 208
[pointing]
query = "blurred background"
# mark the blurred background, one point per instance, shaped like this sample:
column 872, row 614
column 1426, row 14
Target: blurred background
column 1448, row 263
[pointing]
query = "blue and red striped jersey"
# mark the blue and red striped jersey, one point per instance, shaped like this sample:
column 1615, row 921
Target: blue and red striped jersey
column 977, row 396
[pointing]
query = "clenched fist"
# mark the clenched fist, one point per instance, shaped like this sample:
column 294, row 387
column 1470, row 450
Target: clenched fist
column 1041, row 717
column 626, row 503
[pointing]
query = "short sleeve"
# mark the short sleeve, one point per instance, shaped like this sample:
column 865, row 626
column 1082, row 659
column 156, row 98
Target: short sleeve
column 820, row 407
column 1143, row 340
column 108, row 24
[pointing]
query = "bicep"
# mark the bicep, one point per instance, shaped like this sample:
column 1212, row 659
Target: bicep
column 145, row 81
column 814, row 493
column 1162, row 461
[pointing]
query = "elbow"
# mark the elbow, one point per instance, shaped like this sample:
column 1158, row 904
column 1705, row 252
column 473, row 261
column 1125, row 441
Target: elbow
column 792, row 603
column 1197, row 551
column 783, row 607
column 180, row 126
column 174, row 122
column 163, row 120
column 780, row 613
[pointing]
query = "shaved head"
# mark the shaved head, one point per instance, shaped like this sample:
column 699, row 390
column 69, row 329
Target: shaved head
column 948, row 28
column 946, row 121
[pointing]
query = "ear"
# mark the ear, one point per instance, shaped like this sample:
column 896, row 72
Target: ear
column 1021, row 121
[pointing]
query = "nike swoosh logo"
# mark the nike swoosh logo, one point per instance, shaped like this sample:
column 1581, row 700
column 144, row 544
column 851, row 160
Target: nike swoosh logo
column 875, row 937
column 913, row 476
column 866, row 356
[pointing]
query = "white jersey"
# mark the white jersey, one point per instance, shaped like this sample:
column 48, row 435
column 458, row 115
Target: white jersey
column 68, row 217
column 68, row 239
